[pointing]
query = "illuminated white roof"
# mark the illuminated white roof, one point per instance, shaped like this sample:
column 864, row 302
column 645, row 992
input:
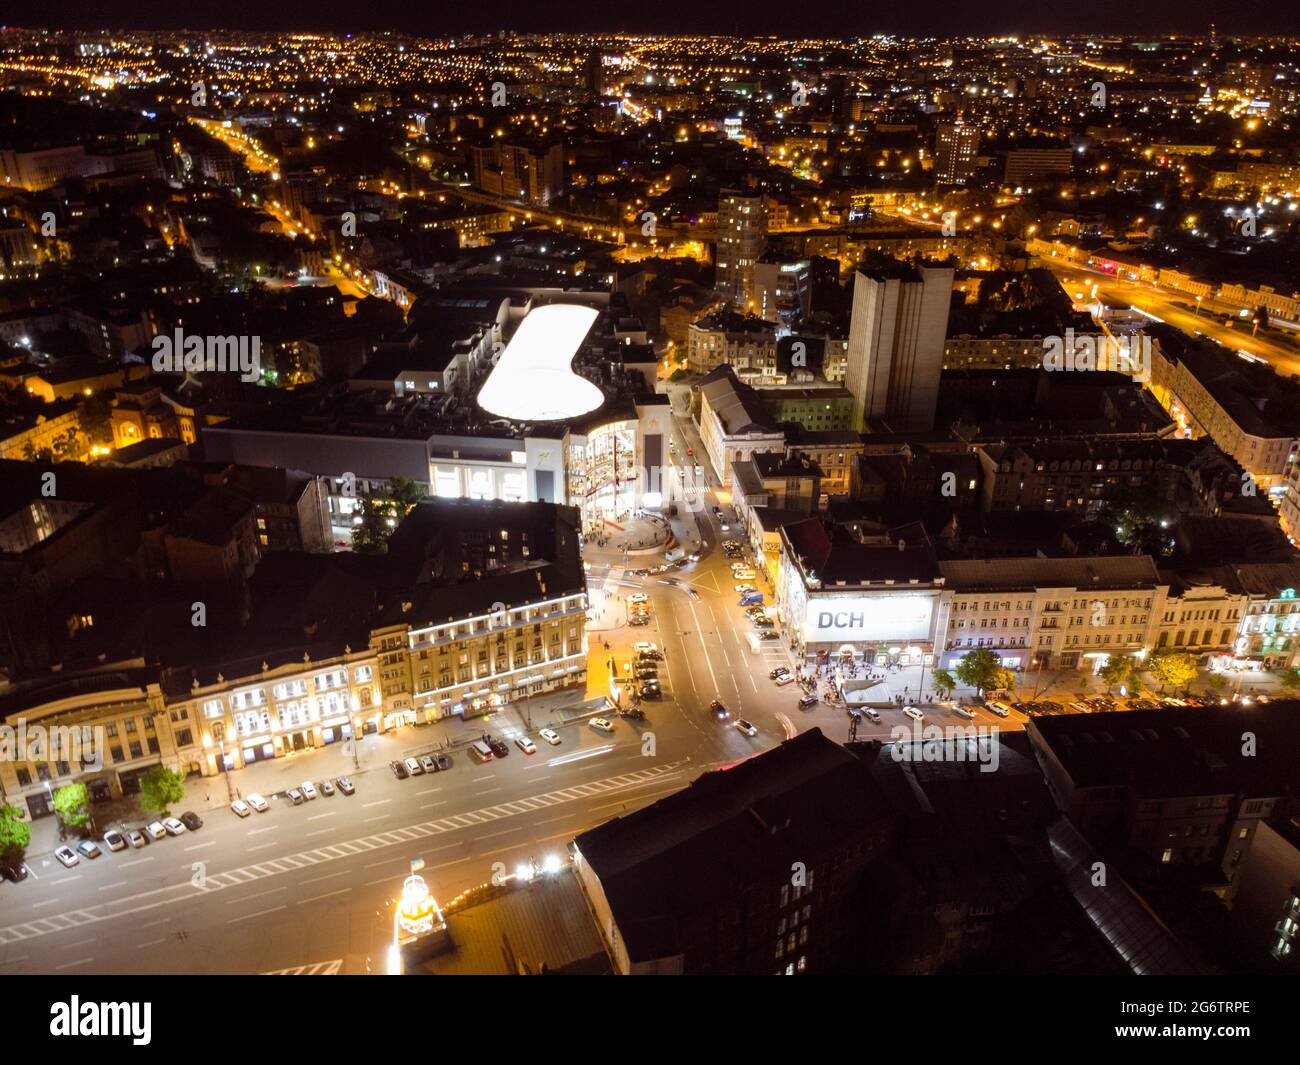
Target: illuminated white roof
column 533, row 381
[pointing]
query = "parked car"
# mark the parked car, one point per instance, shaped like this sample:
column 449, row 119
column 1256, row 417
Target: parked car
column 155, row 830
column 308, row 789
column 525, row 744
column 428, row 764
column 413, row 767
column 964, row 711
column 769, row 634
column 763, row 623
column 89, row 848
column 192, row 821
column 114, row 840
column 67, row 856
column 914, row 713
column 174, row 825
column 14, row 872
column 258, row 803
column 872, row 714
column 345, row 785
column 480, row 751
column 294, row 796
column 399, row 770
column 241, row 808
column 647, row 650
column 650, row 691
column 135, row 838
column 1001, row 709
column 550, row 736
column 498, row 745
column 443, row 761
column 601, row 724
column 784, row 679
column 326, row 788
column 746, row 727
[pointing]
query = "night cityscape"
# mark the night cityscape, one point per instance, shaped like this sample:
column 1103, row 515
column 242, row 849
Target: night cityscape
column 489, row 501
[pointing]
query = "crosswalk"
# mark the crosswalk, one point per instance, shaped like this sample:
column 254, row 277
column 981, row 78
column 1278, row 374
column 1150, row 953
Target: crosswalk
column 320, row 968
column 17, row 933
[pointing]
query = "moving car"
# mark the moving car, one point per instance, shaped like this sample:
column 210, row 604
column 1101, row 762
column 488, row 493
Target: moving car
column 805, row 701
column 241, row 808
column 913, row 713
column 135, row 838
column 428, row 764
column 525, row 744
column 744, row 726
column 413, row 767
column 174, row 826
column 550, row 736
column 295, row 796
column 192, row 821
column 779, row 671
column 964, row 711
column 67, row 856
column 155, row 830
column 114, row 840
column 498, row 745
column 601, row 724
column 257, row 803
column 638, row 597
column 308, row 789
column 872, row 714
column 718, row 710
column 326, row 788
column 345, row 785
column 89, row 848
column 480, row 751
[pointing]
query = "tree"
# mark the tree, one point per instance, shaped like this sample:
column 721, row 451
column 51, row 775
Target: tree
column 160, row 787
column 944, row 682
column 1174, row 669
column 72, row 804
column 15, row 835
column 981, row 669
column 381, row 511
column 1116, row 671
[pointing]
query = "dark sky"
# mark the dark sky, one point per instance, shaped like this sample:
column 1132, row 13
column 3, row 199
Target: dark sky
column 829, row 17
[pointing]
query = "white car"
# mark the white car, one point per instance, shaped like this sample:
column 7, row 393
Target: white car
column 258, row 803
column 964, row 711
column 114, row 840
column 602, row 724
column 913, row 713
column 174, row 826
column 550, row 736
column 525, row 744
column 67, row 856
column 785, row 678
column 744, row 726
column 744, row 574
column 308, row 789
column 638, row 597
column 156, row 830
column 743, row 588
column 241, row 808
column 645, row 648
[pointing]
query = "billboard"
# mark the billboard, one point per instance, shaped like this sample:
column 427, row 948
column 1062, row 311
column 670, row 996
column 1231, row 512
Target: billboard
column 891, row 618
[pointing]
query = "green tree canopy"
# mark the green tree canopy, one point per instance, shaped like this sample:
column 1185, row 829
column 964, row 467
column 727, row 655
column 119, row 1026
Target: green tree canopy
column 15, row 834
column 160, row 787
column 981, row 669
column 1175, row 669
column 381, row 511
column 72, row 804
column 944, row 681
column 1116, row 670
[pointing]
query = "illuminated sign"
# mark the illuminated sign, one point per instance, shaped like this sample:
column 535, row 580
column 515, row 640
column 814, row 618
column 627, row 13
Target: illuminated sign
column 853, row 619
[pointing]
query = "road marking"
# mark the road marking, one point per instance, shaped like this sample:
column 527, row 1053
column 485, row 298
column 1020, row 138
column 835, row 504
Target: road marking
column 328, row 895
column 428, row 791
column 320, row 968
column 327, row 876
column 431, row 805
column 487, row 791
column 317, row 817
column 66, row 880
column 200, row 846
column 151, row 943
column 72, row 964
column 262, row 847
column 249, row 898
column 398, row 837
column 377, row 802
column 250, row 916
column 136, row 861
column 256, row 831
column 110, row 887
column 47, row 902
column 151, row 924
column 319, row 832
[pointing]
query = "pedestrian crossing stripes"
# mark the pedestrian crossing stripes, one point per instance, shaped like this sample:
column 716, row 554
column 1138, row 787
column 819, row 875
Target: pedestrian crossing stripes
column 321, row 968
column 248, row 874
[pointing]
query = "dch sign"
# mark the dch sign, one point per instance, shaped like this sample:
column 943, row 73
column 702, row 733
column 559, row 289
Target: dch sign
column 869, row 618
